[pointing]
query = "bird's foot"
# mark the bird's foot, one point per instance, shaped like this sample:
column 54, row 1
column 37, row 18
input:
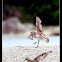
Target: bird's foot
column 37, row 43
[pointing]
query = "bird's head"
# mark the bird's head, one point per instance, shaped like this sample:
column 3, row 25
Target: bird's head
column 26, row 58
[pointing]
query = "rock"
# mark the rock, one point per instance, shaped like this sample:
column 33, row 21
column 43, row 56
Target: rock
column 13, row 25
column 52, row 30
column 56, row 31
column 29, row 26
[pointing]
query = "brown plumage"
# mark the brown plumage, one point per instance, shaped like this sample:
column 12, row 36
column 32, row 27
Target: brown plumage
column 39, row 58
column 39, row 34
column 39, row 25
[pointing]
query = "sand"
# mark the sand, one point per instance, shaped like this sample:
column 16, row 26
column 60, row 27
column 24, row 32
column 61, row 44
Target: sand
column 18, row 53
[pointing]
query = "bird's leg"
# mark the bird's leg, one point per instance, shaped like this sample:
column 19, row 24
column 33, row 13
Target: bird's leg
column 38, row 39
column 37, row 43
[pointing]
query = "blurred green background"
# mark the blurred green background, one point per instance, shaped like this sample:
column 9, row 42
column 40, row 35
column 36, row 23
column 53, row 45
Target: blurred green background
column 47, row 10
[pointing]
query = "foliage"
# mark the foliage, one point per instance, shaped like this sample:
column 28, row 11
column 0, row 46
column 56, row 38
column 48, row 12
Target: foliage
column 47, row 10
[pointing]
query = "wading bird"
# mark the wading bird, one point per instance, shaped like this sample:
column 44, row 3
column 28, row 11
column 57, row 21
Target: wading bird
column 39, row 33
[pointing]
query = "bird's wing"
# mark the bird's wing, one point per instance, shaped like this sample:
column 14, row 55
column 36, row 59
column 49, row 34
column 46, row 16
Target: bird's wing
column 39, row 25
column 38, row 19
column 42, row 56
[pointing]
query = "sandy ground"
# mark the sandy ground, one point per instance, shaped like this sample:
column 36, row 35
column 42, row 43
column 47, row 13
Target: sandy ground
column 18, row 53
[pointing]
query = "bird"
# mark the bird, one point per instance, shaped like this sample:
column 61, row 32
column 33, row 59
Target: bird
column 39, row 58
column 39, row 33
